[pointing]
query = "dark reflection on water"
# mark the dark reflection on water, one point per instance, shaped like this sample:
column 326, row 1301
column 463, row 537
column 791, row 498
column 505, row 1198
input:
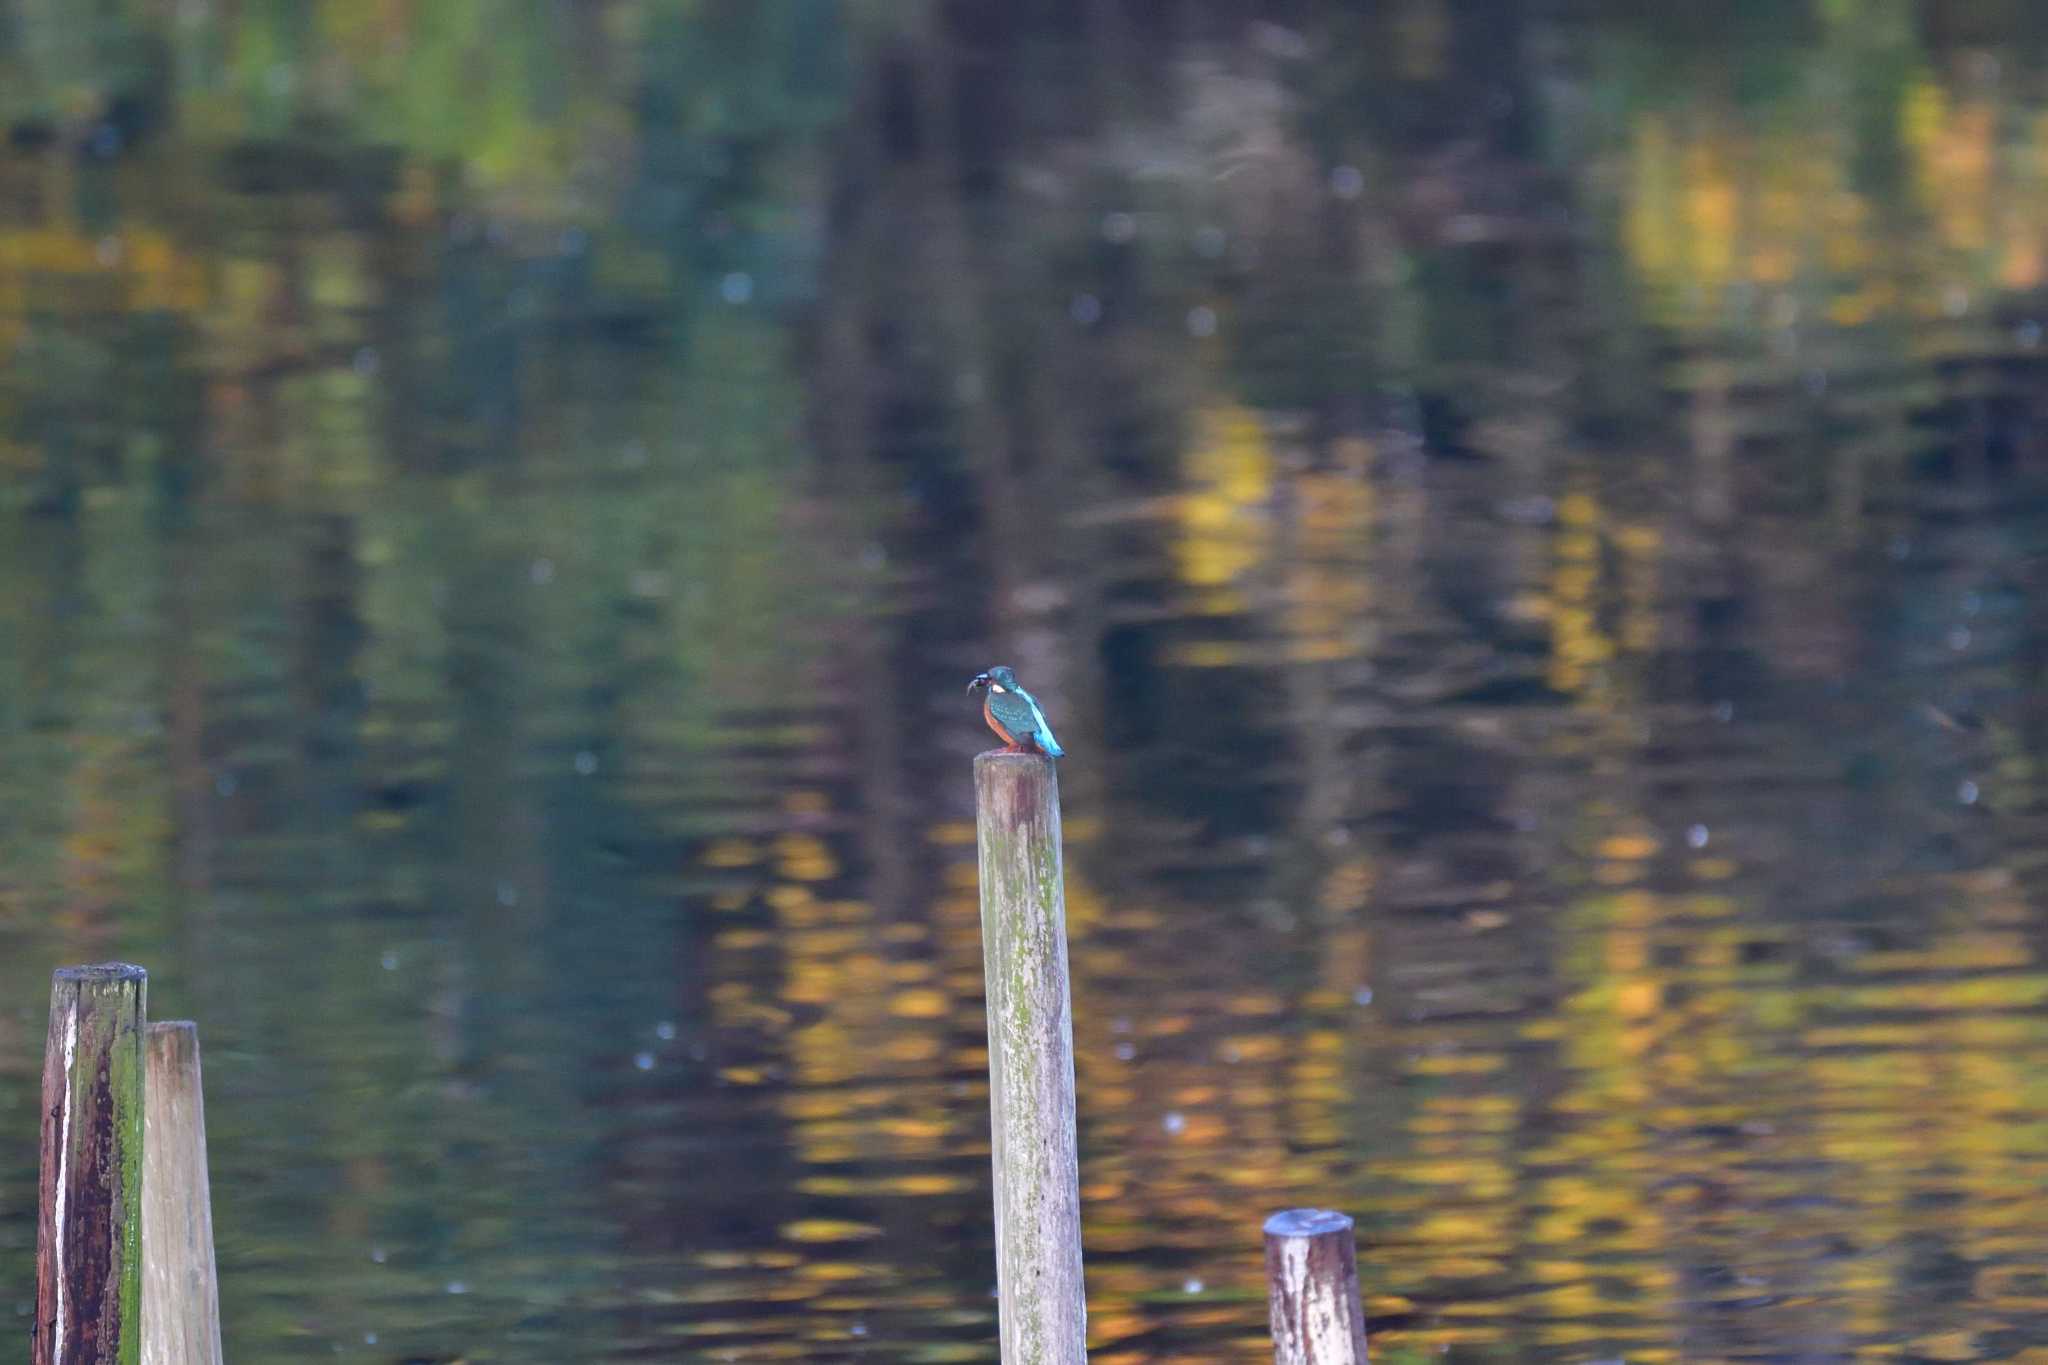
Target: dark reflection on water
column 1528, row 517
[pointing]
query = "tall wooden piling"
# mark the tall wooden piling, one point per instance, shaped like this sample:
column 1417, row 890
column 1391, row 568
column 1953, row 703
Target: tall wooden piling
column 89, row 1231
column 1044, row 1312
column 1312, row 1289
column 180, row 1298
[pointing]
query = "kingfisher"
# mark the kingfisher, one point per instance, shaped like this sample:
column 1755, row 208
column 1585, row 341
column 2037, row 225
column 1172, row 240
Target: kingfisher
column 1013, row 713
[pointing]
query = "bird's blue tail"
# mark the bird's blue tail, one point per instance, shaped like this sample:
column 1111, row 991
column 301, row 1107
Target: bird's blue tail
column 1050, row 745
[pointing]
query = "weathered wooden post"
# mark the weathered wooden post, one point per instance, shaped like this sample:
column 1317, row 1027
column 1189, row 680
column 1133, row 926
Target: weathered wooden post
column 1044, row 1311
column 1312, row 1289
column 180, row 1298
column 89, row 1231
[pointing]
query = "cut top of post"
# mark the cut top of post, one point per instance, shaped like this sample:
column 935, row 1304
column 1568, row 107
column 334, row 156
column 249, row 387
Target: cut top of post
column 1021, row 758
column 1306, row 1223
column 101, row 974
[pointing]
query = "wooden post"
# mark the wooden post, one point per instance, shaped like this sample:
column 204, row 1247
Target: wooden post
column 1043, row 1309
column 89, row 1233
column 1312, row 1289
column 180, row 1299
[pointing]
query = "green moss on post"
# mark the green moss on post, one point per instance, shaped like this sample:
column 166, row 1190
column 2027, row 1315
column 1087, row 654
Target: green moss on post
column 1044, row 1312
column 89, row 1235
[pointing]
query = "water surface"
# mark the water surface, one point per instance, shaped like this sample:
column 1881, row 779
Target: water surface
column 1527, row 516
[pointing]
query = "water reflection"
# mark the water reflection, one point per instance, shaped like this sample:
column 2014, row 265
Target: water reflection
column 1530, row 526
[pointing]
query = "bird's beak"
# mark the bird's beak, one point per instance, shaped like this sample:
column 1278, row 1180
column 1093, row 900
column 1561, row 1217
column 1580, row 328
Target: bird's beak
column 980, row 680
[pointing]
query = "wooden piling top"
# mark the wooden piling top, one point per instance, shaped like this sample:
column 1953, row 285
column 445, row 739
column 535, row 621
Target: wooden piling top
column 181, row 1301
column 101, row 974
column 1312, row 1289
column 1042, row 1308
column 1307, row 1223
column 89, row 1221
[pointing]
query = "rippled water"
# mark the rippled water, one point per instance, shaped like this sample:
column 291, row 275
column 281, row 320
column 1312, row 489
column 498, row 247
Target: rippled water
column 1527, row 516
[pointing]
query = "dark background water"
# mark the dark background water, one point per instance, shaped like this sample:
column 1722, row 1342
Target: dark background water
column 1528, row 517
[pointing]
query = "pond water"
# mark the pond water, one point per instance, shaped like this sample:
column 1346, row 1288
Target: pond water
column 1527, row 517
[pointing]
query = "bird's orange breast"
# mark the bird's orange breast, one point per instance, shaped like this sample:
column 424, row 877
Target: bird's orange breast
column 988, row 713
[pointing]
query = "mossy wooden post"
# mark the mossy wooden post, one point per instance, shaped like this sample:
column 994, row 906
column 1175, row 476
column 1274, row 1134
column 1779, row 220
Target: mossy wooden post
column 180, row 1299
column 89, row 1233
column 1312, row 1289
column 1043, row 1311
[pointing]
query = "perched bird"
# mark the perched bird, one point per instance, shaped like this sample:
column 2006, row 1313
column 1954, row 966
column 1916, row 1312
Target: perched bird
column 1013, row 713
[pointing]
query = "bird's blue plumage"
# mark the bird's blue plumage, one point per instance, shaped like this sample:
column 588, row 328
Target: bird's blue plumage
column 1016, row 712
column 1044, row 729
